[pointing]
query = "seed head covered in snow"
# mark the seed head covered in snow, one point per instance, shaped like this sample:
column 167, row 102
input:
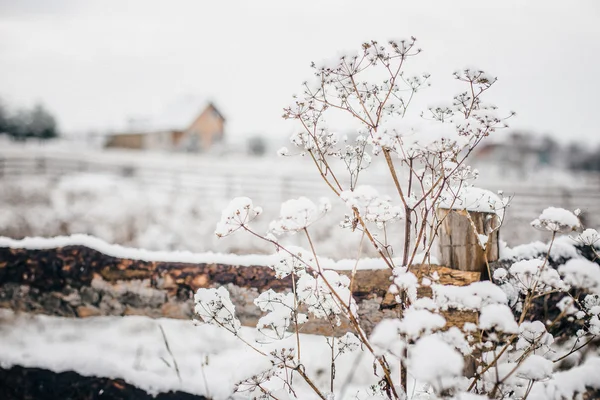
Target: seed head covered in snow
column 588, row 237
column 566, row 306
column 568, row 384
column 433, row 361
column 594, row 325
column 295, row 260
column 282, row 152
column 562, row 247
column 590, row 314
column 534, row 334
column 525, row 272
column 592, row 304
column 528, row 275
column 326, row 296
column 535, row 368
column 500, row 274
column 416, row 323
column 322, row 139
column 456, row 338
column 215, row 307
column 238, row 213
column 414, row 136
column 281, row 313
column 347, row 343
column 385, row 338
column 498, row 317
column 371, row 205
column 556, row 219
column 474, row 199
column 296, row 215
column 355, row 158
column 581, row 274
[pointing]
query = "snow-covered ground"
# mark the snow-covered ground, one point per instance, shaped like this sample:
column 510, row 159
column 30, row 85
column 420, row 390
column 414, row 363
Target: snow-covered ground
column 210, row 362
column 161, row 355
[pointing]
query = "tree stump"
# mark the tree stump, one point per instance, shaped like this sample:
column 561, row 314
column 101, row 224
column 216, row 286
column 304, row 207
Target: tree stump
column 463, row 236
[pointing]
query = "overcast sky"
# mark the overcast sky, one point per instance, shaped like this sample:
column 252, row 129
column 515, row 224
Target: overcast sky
column 97, row 63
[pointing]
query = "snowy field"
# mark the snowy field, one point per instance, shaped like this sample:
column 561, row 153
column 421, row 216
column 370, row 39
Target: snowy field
column 132, row 348
column 172, row 202
column 205, row 360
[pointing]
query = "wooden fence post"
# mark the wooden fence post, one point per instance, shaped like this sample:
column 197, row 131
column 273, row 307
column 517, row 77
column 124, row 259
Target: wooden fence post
column 460, row 245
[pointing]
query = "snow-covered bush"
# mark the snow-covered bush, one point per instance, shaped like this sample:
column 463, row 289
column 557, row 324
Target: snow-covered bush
column 504, row 353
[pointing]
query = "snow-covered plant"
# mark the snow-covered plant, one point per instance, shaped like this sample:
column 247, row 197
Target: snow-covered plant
column 504, row 351
column 214, row 307
column 424, row 151
column 556, row 219
column 240, row 212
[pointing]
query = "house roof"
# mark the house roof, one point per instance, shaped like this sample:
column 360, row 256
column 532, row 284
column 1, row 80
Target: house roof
column 176, row 115
column 214, row 107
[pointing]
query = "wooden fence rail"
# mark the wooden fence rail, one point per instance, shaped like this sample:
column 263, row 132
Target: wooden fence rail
column 77, row 281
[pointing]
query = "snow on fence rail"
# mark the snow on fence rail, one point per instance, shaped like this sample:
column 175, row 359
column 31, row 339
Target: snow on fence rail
column 269, row 183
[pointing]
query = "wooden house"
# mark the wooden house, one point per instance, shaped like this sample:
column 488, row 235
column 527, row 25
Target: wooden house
column 205, row 130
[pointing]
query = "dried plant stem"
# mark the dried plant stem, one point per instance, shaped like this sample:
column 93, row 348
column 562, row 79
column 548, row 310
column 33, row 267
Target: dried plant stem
column 164, row 336
column 575, row 349
column 295, row 313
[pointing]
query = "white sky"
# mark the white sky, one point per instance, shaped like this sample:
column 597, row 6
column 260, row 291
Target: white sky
column 96, row 63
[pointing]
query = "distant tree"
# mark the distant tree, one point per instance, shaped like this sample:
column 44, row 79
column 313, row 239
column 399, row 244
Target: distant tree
column 24, row 124
column 41, row 123
column 596, row 159
column 18, row 125
column 3, row 118
column 591, row 161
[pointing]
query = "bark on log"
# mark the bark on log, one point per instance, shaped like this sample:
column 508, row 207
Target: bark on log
column 459, row 239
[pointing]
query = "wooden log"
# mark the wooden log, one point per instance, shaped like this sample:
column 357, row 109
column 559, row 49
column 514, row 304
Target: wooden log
column 461, row 236
column 76, row 281
column 77, row 266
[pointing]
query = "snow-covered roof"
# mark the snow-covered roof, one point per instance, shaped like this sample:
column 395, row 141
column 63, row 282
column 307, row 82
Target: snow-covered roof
column 175, row 115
